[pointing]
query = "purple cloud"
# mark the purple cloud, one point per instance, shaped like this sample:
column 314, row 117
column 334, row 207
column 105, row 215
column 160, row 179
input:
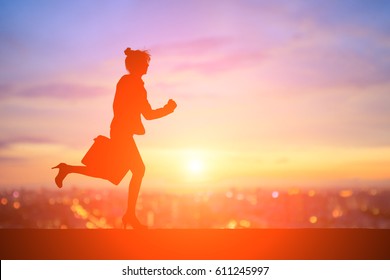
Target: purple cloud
column 226, row 62
column 193, row 47
column 61, row 91
column 7, row 160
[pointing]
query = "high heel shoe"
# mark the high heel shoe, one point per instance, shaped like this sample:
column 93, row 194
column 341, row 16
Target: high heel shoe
column 61, row 173
column 132, row 221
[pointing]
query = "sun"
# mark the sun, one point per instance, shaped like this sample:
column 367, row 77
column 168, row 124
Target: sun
column 195, row 166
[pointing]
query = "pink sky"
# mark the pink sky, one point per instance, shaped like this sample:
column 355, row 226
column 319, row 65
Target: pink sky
column 268, row 92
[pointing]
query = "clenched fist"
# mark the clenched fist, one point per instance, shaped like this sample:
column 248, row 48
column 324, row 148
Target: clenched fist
column 171, row 105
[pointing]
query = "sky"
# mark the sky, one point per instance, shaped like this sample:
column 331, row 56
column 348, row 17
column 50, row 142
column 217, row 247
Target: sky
column 269, row 93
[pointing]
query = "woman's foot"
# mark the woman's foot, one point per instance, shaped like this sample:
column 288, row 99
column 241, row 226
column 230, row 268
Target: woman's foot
column 62, row 172
column 132, row 220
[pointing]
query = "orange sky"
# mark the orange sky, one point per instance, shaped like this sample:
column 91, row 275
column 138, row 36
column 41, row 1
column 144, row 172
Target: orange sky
column 268, row 94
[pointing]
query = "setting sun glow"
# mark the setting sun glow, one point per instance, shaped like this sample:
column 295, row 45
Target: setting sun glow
column 195, row 166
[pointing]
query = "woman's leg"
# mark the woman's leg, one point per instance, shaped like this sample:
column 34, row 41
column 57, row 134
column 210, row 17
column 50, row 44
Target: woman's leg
column 134, row 187
column 65, row 169
column 137, row 168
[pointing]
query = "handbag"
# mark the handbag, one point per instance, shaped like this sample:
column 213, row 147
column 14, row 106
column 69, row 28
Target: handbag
column 108, row 159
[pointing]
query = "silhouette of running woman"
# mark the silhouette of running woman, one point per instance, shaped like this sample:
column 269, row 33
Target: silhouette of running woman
column 130, row 103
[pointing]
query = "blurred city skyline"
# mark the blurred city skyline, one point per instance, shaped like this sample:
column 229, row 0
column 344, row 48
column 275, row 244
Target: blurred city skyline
column 233, row 208
column 269, row 93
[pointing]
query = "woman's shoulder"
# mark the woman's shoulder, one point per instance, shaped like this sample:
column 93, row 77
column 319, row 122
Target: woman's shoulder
column 129, row 79
column 124, row 78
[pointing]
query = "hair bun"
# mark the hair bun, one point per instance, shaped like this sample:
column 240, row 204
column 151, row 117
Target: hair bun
column 127, row 51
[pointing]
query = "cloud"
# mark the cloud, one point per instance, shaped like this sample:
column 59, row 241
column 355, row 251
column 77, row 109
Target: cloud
column 222, row 63
column 295, row 52
column 208, row 55
column 56, row 91
column 324, row 67
column 7, row 142
column 11, row 159
column 5, row 89
column 194, row 47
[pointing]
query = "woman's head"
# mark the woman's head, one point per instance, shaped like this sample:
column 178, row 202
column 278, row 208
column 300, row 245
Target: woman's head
column 137, row 62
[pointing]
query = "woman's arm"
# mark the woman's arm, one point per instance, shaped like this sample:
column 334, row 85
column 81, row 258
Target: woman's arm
column 151, row 114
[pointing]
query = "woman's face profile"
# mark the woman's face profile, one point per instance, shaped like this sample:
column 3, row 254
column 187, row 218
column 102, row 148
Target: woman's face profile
column 141, row 68
column 144, row 67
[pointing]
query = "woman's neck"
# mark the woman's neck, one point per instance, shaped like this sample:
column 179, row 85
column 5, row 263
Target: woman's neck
column 136, row 75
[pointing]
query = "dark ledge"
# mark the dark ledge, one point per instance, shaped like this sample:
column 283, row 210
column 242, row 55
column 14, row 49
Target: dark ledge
column 269, row 244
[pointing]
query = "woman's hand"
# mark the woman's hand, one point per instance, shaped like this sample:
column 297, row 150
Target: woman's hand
column 171, row 105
